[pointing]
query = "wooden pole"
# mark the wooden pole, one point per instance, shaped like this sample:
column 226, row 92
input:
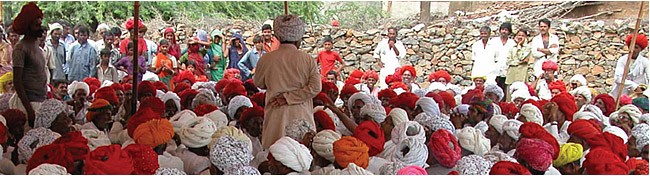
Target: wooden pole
column 629, row 56
column 135, row 38
column 286, row 8
column 425, row 11
column 390, row 5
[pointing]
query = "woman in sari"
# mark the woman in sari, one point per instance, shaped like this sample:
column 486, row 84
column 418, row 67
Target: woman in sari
column 194, row 54
column 174, row 48
column 218, row 63
column 236, row 51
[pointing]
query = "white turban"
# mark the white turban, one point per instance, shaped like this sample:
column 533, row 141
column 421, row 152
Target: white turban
column 496, row 109
column 376, row 112
column 197, row 132
column 288, row 28
column 417, row 152
column 291, row 154
column 106, row 83
column 442, row 123
column 150, row 76
column 77, row 85
column 462, row 108
column 498, row 155
column 95, row 138
column 169, row 95
column 365, row 98
column 641, row 133
column 616, row 131
column 54, row 26
column 631, row 110
column 578, row 77
column 454, row 88
column 236, row 103
column 429, row 106
column 169, row 171
column 582, row 90
column 473, row 140
column 531, row 113
column 362, row 88
column 179, row 119
column 437, row 86
column 50, row 109
column 398, row 115
column 218, row 117
column 497, row 122
column 482, row 126
column 519, row 85
column 323, row 144
column 229, row 152
column 205, row 96
column 298, row 128
column 102, row 26
column 473, row 165
column 49, row 169
column 520, row 94
column 511, row 127
column 495, row 89
column 589, row 111
column 36, row 137
column 406, row 130
column 230, row 131
column 205, row 85
column 420, row 92
column 391, row 168
column 352, row 169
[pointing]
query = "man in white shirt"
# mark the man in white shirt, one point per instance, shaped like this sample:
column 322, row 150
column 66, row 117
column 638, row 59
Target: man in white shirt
column 638, row 73
column 388, row 51
column 483, row 56
column 545, row 46
column 501, row 46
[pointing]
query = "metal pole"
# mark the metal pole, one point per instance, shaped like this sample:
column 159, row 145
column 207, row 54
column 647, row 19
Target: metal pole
column 135, row 38
column 629, row 56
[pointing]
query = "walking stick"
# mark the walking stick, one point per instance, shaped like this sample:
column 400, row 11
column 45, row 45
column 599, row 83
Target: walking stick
column 629, row 56
column 136, row 21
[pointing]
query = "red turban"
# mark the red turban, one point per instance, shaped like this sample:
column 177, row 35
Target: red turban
column 3, row 133
column 616, row 145
column 249, row 85
column 131, row 23
column 108, row 160
column 259, row 98
column 609, row 103
column 549, row 65
column 93, row 82
column 448, row 98
column 127, row 79
column 436, row 97
column 221, row 84
column 538, row 104
column 185, row 97
column 181, row 86
column 356, row 74
column 97, row 107
column 145, row 160
column 117, row 86
column 370, row 74
column 154, row 103
column 372, row 135
column 161, row 86
column 559, row 84
column 234, row 89
column 107, row 93
column 536, row 131
column 508, row 108
column 249, row 113
column 406, row 99
column 146, row 87
column 348, row 89
column 141, row 116
column 641, row 40
column 51, row 154
column 453, row 173
column 75, row 143
column 323, row 97
column 386, row 93
column 352, row 81
column 399, row 85
column 324, row 120
column 230, row 73
column 601, row 161
column 470, row 94
column 445, row 148
column 392, row 78
column 28, row 15
column 440, row 74
column 127, row 86
column 566, row 103
column 637, row 166
column 328, row 86
column 508, row 168
column 409, row 68
column 92, row 88
column 186, row 75
column 203, row 109
column 536, row 152
column 14, row 117
column 589, row 131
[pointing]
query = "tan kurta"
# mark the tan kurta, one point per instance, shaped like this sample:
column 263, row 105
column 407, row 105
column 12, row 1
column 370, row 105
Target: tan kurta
column 293, row 74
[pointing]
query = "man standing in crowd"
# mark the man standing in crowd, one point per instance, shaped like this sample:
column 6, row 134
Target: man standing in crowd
column 58, row 48
column 545, row 46
column 271, row 43
column 639, row 65
column 83, row 58
column 501, row 47
column 483, row 56
column 388, row 53
column 291, row 80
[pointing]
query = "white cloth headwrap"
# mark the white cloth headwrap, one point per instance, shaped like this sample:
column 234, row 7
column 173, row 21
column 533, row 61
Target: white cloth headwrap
column 53, row 26
column 102, row 26
column 633, row 112
column 498, row 155
column 454, row 88
column 292, row 154
column 641, row 133
column 391, row 168
column 462, row 108
column 493, row 88
column 218, row 117
column 49, row 169
column 169, row 95
column 616, row 131
column 473, row 140
column 482, row 126
column 496, row 109
column 578, row 77
column 352, row 169
column 169, row 171
column 362, row 88
column 244, row 170
column 410, row 129
column 76, row 85
column 417, row 153
column 150, row 76
column 398, row 115
column 473, row 165
column 179, row 119
column 520, row 94
column 437, row 86
column 50, row 109
column 288, row 28
column 582, row 90
column 365, row 98
column 205, row 85
column 497, row 122
column 95, row 138
column 429, row 106
column 323, row 144
column 41, row 136
column 589, row 111
column 298, row 128
column 205, row 96
column 424, row 119
column 420, row 92
column 519, row 85
column 229, row 152
column 376, row 112
column 197, row 132
column 531, row 113
column 236, row 103
column 511, row 127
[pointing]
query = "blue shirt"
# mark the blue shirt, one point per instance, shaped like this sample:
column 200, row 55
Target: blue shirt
column 248, row 62
column 59, row 59
column 82, row 62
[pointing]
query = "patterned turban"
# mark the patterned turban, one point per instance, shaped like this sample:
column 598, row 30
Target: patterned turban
column 473, row 165
column 288, row 28
column 50, row 109
column 34, row 139
column 230, row 152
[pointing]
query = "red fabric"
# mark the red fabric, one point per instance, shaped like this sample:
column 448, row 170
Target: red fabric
column 185, row 97
column 616, row 145
column 406, row 99
column 386, row 93
column 327, row 60
column 356, row 74
column 323, row 97
column 397, row 85
column 348, row 89
column 193, row 54
column 231, row 73
column 440, row 74
column 142, row 45
column 536, row 131
column 453, row 173
column 75, row 143
column 609, row 103
column 589, row 131
column 549, row 65
column 445, row 148
column 131, row 23
column 255, row 111
column 92, row 89
column 391, row 79
column 51, row 154
column 470, row 94
column 161, row 86
column 508, row 168
column 146, row 87
column 409, row 68
column 566, row 103
column 107, row 93
column 145, row 160
column 559, row 84
column 174, row 49
column 186, row 75
column 109, row 160
column 28, row 14
column 641, row 40
column 601, row 161
column 436, row 97
column 637, row 166
column 127, row 79
column 371, row 133
column 259, row 98
column 352, row 81
column 234, row 89
column 335, row 23
column 370, row 74
column 127, row 86
column 93, row 82
column 3, row 133
column 537, row 104
column 14, row 117
column 181, row 86
column 141, row 116
column 324, row 120
column 154, row 103
column 531, row 90
column 117, row 86
column 450, row 101
column 328, row 86
column 250, row 86
column 625, row 100
column 508, row 108
column 536, row 152
column 221, row 84
column 387, row 109
column 203, row 109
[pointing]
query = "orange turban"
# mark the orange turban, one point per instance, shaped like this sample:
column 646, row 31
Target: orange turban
column 351, row 150
column 108, row 160
column 154, row 132
column 98, row 106
column 141, row 116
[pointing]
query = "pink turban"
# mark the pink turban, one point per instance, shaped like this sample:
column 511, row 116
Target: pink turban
column 536, row 152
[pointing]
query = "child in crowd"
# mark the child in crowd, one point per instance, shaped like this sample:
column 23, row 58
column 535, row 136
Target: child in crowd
column 106, row 70
column 164, row 64
column 328, row 58
column 126, row 63
column 248, row 62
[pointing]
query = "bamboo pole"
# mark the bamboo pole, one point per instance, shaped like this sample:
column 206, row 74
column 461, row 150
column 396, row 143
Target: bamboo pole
column 135, row 38
column 629, row 56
